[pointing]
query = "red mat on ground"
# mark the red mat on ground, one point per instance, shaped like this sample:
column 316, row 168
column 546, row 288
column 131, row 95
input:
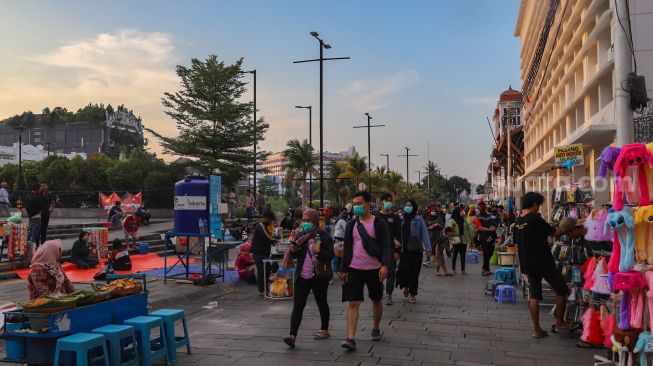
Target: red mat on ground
column 140, row 263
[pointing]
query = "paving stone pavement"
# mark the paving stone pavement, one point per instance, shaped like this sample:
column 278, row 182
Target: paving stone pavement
column 453, row 323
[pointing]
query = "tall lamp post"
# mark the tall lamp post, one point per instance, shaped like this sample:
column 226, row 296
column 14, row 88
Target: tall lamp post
column 321, row 60
column 407, row 155
column 369, row 149
column 387, row 161
column 310, row 142
column 253, row 72
column 20, row 130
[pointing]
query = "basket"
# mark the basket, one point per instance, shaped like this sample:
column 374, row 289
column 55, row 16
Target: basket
column 507, row 259
column 50, row 309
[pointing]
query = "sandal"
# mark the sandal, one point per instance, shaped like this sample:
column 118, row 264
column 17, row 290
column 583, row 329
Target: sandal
column 543, row 334
column 322, row 334
column 290, row 341
column 571, row 328
column 413, row 300
column 406, row 292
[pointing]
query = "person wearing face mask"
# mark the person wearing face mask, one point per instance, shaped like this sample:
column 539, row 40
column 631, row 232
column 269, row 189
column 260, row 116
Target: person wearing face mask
column 394, row 226
column 262, row 243
column 460, row 239
column 366, row 260
column 486, row 224
column 415, row 240
column 308, row 251
column 435, row 224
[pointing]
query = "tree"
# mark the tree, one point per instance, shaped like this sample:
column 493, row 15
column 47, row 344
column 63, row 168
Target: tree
column 338, row 190
column 301, row 164
column 355, row 169
column 215, row 129
column 457, row 185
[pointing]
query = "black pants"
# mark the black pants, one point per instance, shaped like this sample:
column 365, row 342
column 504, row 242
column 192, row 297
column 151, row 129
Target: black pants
column 303, row 288
column 85, row 263
column 410, row 265
column 488, row 250
column 459, row 249
column 45, row 221
column 260, row 276
column 390, row 281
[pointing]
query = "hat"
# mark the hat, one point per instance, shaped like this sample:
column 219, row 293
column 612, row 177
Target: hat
column 568, row 223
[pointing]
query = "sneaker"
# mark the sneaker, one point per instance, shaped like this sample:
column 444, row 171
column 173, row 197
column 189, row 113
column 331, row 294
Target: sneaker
column 376, row 334
column 349, row 344
column 426, row 264
column 388, row 299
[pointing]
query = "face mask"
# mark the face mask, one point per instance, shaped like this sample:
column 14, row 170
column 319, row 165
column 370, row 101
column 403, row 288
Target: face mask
column 433, row 213
column 308, row 226
column 359, row 210
column 408, row 209
column 387, row 205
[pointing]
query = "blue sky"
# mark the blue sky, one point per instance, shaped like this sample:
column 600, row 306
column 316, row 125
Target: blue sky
column 430, row 70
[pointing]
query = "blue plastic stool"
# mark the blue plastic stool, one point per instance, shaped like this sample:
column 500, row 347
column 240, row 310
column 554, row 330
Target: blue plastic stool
column 473, row 257
column 506, row 275
column 149, row 349
column 119, row 336
column 505, row 293
column 169, row 317
column 81, row 344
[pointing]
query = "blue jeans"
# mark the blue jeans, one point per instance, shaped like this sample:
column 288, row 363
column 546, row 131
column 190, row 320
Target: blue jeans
column 34, row 230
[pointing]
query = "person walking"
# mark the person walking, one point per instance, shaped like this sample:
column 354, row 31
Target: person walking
column 415, row 241
column 486, row 224
column 366, row 260
column 48, row 207
column 530, row 233
column 313, row 250
column 394, row 229
column 461, row 237
column 262, row 243
column 435, row 224
column 249, row 205
column 232, row 204
column 4, row 199
column 260, row 202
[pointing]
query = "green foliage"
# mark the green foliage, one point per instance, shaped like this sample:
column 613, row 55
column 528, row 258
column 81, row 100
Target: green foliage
column 278, row 204
column 301, row 164
column 214, row 127
column 90, row 113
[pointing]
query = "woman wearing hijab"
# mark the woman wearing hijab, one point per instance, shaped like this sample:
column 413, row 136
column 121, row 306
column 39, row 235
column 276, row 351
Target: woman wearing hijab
column 245, row 264
column 308, row 251
column 414, row 241
column 462, row 236
column 46, row 277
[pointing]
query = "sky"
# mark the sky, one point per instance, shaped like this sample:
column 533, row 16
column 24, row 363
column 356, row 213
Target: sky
column 430, row 70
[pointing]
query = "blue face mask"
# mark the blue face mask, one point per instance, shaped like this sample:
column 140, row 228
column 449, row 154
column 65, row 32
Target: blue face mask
column 387, row 205
column 308, row 226
column 408, row 209
column 359, row 210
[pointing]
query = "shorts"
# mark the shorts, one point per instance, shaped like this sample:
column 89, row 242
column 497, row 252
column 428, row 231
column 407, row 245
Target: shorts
column 553, row 277
column 357, row 279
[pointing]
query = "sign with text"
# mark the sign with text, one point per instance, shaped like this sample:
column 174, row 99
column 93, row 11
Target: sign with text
column 215, row 192
column 190, row 203
column 570, row 155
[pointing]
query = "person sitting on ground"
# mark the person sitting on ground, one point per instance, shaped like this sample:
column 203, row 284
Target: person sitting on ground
column 245, row 264
column 80, row 254
column 144, row 214
column 119, row 259
column 115, row 214
column 46, row 277
column 441, row 245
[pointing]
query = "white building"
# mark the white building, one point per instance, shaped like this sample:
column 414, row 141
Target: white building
column 9, row 154
column 572, row 79
column 276, row 163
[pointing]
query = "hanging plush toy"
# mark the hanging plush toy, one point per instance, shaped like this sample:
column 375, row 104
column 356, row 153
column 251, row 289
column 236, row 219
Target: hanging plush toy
column 623, row 225
column 644, row 234
column 608, row 158
column 632, row 155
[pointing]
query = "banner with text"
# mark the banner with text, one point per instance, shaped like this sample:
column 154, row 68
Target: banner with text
column 129, row 202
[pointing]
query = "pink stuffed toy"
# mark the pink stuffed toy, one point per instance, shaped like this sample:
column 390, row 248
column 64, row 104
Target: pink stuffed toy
column 632, row 155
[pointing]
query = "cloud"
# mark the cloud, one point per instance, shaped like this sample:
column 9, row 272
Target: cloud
column 370, row 95
column 481, row 101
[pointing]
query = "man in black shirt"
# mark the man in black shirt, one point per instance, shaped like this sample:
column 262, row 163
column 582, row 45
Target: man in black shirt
column 536, row 261
column 47, row 207
column 487, row 224
column 115, row 213
column 34, row 206
column 394, row 229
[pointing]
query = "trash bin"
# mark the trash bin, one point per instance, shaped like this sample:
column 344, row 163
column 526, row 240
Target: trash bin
column 143, row 247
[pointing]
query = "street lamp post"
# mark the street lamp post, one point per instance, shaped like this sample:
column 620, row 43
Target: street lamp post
column 369, row 149
column 387, row 161
column 20, row 130
column 323, row 45
column 253, row 72
column 310, row 142
column 407, row 155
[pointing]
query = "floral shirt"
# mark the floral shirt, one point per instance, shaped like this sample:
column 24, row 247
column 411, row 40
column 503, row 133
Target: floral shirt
column 41, row 282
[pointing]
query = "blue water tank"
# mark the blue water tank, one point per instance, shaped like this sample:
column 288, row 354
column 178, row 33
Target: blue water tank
column 191, row 204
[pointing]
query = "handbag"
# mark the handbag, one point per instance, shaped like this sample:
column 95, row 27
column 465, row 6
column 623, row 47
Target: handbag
column 321, row 270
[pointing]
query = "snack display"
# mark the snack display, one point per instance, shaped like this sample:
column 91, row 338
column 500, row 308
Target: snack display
column 121, row 287
column 16, row 237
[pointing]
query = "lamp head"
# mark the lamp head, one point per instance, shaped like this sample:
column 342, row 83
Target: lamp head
column 367, row 114
column 327, row 46
column 299, row 106
column 315, row 34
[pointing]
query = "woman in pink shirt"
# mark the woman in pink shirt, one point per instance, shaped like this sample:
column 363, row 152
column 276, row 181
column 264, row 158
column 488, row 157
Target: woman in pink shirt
column 312, row 245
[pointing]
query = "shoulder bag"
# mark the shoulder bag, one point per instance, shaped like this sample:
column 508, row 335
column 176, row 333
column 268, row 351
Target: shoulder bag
column 321, row 270
column 370, row 244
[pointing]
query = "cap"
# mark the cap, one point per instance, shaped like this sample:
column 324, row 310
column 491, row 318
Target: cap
column 568, row 223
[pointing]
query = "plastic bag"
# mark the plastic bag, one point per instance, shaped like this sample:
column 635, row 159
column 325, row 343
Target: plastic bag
column 494, row 259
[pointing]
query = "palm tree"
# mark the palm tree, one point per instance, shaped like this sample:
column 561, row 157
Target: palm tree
column 355, row 169
column 392, row 182
column 338, row 189
column 301, row 164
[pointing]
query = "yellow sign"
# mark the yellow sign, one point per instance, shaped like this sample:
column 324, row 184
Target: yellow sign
column 568, row 156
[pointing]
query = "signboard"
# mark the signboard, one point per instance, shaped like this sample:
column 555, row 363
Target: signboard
column 129, row 203
column 568, row 156
column 190, row 203
column 215, row 193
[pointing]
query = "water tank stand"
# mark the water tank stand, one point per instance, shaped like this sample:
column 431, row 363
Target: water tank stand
column 183, row 259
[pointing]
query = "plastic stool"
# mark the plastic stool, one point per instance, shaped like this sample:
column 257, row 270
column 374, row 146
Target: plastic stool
column 169, row 317
column 506, row 275
column 473, row 257
column 81, row 344
column 505, row 293
column 149, row 349
column 118, row 336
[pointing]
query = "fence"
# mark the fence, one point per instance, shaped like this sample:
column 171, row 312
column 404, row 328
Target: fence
column 153, row 198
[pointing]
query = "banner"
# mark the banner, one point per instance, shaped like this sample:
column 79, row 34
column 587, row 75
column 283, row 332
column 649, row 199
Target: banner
column 215, row 194
column 568, row 156
column 129, row 203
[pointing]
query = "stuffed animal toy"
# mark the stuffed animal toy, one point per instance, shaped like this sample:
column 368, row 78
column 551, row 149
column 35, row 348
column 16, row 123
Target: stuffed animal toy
column 643, row 346
column 626, row 338
column 624, row 312
column 632, row 155
column 622, row 223
column 608, row 158
column 644, row 234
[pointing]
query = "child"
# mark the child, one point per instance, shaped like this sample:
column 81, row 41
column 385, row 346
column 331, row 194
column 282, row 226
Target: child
column 440, row 246
column 245, row 264
column 120, row 260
